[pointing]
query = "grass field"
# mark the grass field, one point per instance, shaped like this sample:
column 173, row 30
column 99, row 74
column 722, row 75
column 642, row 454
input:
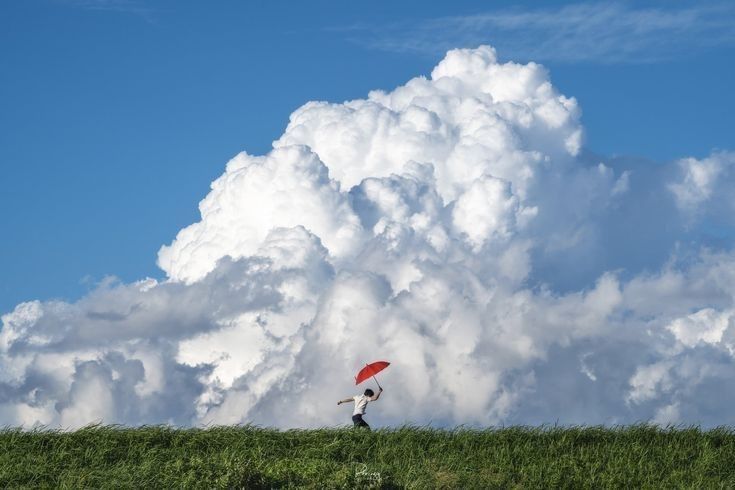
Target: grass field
column 249, row 457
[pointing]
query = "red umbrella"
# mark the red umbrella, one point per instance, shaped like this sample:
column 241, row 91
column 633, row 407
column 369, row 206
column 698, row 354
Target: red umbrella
column 371, row 370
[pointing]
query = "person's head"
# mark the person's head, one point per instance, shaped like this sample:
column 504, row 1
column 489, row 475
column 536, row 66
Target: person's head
column 369, row 392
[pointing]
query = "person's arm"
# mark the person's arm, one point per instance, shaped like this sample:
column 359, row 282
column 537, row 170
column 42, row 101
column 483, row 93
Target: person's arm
column 375, row 397
column 346, row 400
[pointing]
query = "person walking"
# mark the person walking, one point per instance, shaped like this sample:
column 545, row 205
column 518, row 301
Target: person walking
column 361, row 402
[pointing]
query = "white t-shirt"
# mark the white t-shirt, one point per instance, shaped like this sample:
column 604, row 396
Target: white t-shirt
column 361, row 402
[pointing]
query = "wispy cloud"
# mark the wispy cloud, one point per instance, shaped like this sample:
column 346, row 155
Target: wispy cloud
column 135, row 7
column 610, row 32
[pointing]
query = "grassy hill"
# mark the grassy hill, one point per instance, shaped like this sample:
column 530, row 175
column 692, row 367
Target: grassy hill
column 249, row 457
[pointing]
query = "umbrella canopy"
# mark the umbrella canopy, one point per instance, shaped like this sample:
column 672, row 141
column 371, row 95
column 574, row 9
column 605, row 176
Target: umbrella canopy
column 370, row 370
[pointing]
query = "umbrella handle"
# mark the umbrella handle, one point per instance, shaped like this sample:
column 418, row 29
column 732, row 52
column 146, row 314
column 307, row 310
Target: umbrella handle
column 376, row 382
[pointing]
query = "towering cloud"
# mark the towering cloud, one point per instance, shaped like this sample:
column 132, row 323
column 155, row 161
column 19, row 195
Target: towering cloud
column 452, row 226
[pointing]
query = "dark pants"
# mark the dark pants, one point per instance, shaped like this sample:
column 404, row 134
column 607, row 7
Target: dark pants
column 357, row 420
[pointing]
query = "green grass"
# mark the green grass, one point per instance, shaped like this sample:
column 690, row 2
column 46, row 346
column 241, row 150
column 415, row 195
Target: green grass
column 638, row 456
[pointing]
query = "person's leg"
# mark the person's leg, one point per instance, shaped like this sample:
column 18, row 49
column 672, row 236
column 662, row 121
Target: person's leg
column 359, row 422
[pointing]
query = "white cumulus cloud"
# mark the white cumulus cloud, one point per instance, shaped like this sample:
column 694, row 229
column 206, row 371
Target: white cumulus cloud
column 453, row 226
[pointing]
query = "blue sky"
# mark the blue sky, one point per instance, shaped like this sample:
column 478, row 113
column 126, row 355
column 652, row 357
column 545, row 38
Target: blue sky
column 116, row 115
